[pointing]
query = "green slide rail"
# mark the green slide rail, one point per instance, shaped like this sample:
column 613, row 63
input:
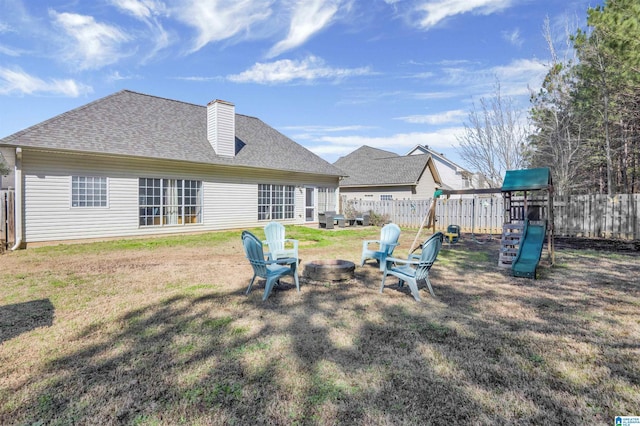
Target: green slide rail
column 526, row 262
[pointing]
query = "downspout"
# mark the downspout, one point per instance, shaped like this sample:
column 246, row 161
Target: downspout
column 18, row 208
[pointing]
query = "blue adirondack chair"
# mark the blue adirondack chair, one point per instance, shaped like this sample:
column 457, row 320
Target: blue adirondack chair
column 415, row 268
column 247, row 234
column 270, row 270
column 388, row 241
column 278, row 245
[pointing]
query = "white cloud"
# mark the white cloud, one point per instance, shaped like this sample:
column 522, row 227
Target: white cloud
column 330, row 148
column 443, row 138
column 308, row 17
column 435, row 11
column 140, row 9
column 148, row 12
column 326, row 129
column 94, row 44
column 513, row 37
column 454, row 116
column 519, row 67
column 423, row 75
column 9, row 51
column 216, row 20
column 371, row 96
column 515, row 78
column 16, row 81
column 315, row 132
column 200, row 78
column 430, row 95
column 454, row 62
column 284, row 71
column 116, row 76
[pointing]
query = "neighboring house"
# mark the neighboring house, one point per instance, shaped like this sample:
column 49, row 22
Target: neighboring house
column 453, row 176
column 375, row 174
column 133, row 164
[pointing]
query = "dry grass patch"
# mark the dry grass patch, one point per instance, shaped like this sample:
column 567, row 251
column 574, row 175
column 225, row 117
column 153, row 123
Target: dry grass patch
column 160, row 332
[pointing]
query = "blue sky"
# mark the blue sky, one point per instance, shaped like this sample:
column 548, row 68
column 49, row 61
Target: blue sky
column 331, row 74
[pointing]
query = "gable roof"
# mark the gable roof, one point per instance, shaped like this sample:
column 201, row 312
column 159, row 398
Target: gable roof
column 367, row 166
column 426, row 150
column 138, row 125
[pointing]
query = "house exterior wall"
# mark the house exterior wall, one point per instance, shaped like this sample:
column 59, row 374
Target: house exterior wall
column 230, row 195
column 422, row 191
column 450, row 174
column 374, row 193
column 426, row 186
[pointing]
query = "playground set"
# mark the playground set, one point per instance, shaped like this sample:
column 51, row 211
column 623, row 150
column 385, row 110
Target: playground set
column 528, row 219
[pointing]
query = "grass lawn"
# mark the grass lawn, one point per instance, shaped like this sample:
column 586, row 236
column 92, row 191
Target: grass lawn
column 159, row 332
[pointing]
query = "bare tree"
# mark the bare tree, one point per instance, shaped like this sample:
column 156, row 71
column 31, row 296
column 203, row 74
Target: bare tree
column 495, row 138
column 558, row 141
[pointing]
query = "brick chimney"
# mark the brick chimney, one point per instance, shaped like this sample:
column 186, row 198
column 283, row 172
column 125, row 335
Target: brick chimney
column 221, row 127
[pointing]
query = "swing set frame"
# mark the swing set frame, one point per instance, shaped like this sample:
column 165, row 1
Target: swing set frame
column 429, row 220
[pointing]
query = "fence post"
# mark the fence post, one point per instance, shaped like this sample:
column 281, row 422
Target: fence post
column 7, row 221
column 3, row 219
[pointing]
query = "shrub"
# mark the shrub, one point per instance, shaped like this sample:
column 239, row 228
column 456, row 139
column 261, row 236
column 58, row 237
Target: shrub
column 378, row 219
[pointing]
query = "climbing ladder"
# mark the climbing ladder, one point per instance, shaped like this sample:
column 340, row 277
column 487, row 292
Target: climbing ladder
column 510, row 242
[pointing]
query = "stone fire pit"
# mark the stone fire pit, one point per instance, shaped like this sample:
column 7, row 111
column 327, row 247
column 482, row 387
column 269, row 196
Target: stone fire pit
column 332, row 270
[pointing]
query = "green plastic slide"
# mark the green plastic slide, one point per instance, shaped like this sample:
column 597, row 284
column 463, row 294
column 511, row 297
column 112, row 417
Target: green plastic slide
column 530, row 250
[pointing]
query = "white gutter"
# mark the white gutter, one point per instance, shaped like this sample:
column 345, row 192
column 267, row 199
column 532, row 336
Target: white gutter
column 18, row 208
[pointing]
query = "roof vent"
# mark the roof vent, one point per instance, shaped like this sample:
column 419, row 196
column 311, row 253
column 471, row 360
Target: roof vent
column 221, row 127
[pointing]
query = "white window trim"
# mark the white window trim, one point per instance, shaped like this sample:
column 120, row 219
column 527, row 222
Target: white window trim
column 330, row 193
column 284, row 204
column 71, row 206
column 163, row 225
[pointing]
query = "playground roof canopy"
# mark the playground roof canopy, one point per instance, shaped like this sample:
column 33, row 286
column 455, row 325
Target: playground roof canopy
column 527, row 179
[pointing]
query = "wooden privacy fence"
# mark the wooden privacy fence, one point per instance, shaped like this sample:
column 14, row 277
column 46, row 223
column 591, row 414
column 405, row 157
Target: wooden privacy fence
column 594, row 216
column 480, row 214
column 598, row 216
column 7, row 224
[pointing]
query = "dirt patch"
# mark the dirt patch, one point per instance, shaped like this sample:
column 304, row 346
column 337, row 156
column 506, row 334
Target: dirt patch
column 603, row 244
column 489, row 243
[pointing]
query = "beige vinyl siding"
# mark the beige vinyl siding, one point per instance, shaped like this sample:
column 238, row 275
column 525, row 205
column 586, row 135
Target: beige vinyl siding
column 450, row 174
column 230, row 195
column 426, row 186
column 398, row 192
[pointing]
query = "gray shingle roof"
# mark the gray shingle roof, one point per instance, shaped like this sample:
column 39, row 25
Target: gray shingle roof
column 139, row 125
column 368, row 166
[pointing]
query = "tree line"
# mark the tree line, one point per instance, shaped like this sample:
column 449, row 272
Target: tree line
column 584, row 122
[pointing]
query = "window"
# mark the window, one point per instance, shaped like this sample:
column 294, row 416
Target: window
column 87, row 191
column 169, row 201
column 386, row 197
column 276, row 202
column 326, row 200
